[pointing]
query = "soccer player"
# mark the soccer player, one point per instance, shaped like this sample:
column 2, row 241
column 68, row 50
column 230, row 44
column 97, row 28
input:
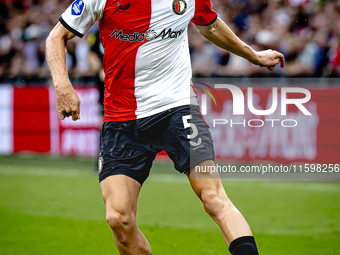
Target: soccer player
column 150, row 105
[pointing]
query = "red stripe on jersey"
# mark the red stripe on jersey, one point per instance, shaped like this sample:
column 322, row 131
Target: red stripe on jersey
column 122, row 31
column 204, row 13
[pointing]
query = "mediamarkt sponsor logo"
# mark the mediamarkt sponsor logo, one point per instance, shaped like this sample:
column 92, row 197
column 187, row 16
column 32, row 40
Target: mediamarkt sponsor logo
column 149, row 35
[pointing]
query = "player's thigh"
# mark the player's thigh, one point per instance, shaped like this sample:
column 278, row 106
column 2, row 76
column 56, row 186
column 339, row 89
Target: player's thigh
column 120, row 194
column 121, row 153
column 204, row 181
column 188, row 141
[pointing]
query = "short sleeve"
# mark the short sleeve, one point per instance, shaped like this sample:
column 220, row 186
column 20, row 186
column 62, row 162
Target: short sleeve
column 204, row 13
column 81, row 15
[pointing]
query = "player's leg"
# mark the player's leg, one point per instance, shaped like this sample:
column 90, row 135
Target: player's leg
column 235, row 230
column 123, row 165
column 188, row 142
column 120, row 194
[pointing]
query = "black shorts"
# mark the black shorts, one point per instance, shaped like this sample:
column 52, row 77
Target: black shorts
column 129, row 147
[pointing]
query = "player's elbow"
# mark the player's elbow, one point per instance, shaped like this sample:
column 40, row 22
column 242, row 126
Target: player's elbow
column 51, row 38
column 58, row 35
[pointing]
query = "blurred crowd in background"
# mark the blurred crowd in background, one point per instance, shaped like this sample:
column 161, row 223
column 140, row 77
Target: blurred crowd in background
column 307, row 32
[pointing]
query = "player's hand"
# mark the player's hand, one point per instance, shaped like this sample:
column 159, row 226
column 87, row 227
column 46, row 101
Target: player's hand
column 269, row 59
column 68, row 103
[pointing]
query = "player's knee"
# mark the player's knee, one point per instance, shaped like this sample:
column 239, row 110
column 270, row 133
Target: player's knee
column 214, row 205
column 120, row 221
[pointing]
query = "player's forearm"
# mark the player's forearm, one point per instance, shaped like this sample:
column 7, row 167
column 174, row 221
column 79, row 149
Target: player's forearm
column 221, row 35
column 56, row 59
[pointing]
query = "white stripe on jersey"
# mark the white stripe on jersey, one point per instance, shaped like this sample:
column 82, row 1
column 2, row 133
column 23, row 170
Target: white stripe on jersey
column 163, row 70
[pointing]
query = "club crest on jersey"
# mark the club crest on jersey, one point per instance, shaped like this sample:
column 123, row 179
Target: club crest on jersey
column 77, row 7
column 179, row 6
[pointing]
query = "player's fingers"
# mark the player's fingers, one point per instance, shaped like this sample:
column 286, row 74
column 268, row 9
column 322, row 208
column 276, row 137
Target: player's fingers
column 75, row 115
column 278, row 55
column 76, row 111
column 61, row 116
column 281, row 59
column 271, row 68
column 282, row 62
column 67, row 114
column 67, row 110
column 78, row 114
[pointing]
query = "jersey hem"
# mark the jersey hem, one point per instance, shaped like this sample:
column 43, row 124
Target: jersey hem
column 210, row 23
column 186, row 101
column 68, row 27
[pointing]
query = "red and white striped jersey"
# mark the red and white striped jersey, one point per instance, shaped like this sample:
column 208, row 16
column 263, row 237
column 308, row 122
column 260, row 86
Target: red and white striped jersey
column 146, row 53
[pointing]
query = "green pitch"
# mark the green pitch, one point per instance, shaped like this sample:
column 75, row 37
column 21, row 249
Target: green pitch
column 53, row 206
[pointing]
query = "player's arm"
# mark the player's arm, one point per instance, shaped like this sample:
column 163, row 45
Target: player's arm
column 67, row 101
column 221, row 35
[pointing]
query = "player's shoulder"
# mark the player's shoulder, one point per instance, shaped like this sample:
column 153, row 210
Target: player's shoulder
column 81, row 15
column 202, row 2
column 80, row 6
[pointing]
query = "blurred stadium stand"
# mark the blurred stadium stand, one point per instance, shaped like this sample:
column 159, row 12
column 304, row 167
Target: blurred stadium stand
column 306, row 31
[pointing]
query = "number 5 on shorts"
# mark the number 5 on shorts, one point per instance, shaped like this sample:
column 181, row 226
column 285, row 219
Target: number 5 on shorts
column 194, row 130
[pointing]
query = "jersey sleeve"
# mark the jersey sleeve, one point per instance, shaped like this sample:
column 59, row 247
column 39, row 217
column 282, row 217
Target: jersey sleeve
column 81, row 15
column 204, row 13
